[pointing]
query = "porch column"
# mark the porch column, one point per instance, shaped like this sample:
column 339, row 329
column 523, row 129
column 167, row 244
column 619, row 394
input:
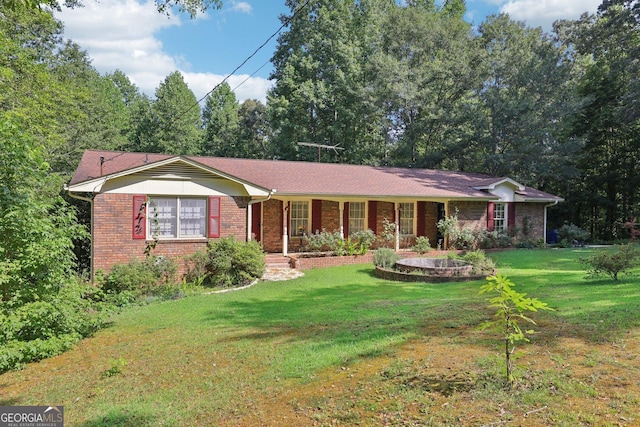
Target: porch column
column 397, row 209
column 285, row 228
column 445, row 243
column 341, row 208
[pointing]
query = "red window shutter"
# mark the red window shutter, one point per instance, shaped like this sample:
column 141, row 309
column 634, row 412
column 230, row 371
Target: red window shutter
column 139, row 220
column 345, row 220
column 214, row 216
column 490, row 215
column 373, row 215
column 256, row 221
column 511, row 216
column 316, row 216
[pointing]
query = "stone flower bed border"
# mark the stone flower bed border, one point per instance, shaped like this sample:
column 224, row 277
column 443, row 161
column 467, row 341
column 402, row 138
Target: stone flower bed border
column 400, row 276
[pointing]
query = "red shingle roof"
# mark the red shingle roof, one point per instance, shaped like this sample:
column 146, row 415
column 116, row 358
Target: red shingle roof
column 305, row 178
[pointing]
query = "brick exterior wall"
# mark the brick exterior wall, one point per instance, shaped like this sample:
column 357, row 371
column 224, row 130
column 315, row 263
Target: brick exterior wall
column 470, row 214
column 330, row 216
column 385, row 210
column 534, row 214
column 431, row 223
column 272, row 225
column 474, row 215
column 113, row 241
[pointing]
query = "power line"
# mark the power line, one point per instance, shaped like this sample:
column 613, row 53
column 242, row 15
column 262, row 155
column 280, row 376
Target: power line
column 248, row 77
column 284, row 24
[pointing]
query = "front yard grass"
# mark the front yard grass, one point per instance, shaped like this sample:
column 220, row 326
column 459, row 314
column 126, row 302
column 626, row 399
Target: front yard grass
column 342, row 347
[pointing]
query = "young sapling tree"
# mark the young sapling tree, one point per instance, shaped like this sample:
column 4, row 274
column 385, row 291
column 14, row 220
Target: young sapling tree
column 510, row 308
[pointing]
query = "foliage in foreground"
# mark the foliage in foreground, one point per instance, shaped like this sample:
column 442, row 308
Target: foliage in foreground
column 44, row 328
column 612, row 262
column 510, row 308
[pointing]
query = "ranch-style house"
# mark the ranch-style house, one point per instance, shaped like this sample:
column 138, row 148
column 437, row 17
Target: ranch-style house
column 184, row 201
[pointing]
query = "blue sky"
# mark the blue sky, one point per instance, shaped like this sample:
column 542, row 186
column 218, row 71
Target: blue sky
column 131, row 36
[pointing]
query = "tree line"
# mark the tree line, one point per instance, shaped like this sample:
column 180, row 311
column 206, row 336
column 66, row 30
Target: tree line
column 409, row 85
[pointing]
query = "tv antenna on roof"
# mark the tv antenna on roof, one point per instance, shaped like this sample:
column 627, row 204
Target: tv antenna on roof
column 321, row 146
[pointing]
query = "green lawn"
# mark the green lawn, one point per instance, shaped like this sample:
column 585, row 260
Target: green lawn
column 236, row 358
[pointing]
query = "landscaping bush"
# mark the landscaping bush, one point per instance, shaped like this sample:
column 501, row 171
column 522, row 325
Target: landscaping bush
column 459, row 237
column 232, row 264
column 612, row 262
column 357, row 243
column 422, row 245
column 496, row 239
column 570, row 235
column 385, row 258
column 139, row 278
column 323, row 241
column 481, row 264
column 361, row 241
column 196, row 267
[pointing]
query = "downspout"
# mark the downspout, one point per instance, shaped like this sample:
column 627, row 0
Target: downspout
column 544, row 227
column 90, row 200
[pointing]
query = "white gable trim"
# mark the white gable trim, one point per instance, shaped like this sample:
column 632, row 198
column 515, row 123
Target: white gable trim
column 97, row 185
column 492, row 186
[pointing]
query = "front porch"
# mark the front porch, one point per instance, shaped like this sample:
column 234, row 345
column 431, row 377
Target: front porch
column 283, row 225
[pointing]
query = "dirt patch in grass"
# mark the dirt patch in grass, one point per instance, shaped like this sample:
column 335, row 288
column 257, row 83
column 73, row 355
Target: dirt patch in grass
column 448, row 379
column 450, row 376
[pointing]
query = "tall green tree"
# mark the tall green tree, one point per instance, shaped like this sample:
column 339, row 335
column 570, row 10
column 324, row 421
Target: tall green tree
column 37, row 227
column 220, row 115
column 173, row 123
column 321, row 66
column 606, row 194
column 523, row 100
column 102, row 118
column 426, row 68
column 254, row 133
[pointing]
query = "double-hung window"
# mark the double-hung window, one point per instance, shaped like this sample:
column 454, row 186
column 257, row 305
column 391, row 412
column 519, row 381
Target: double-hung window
column 406, row 219
column 299, row 218
column 356, row 217
column 176, row 217
column 500, row 216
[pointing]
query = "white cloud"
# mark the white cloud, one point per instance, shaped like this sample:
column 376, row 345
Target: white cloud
column 542, row 13
column 253, row 88
column 241, row 6
column 120, row 34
